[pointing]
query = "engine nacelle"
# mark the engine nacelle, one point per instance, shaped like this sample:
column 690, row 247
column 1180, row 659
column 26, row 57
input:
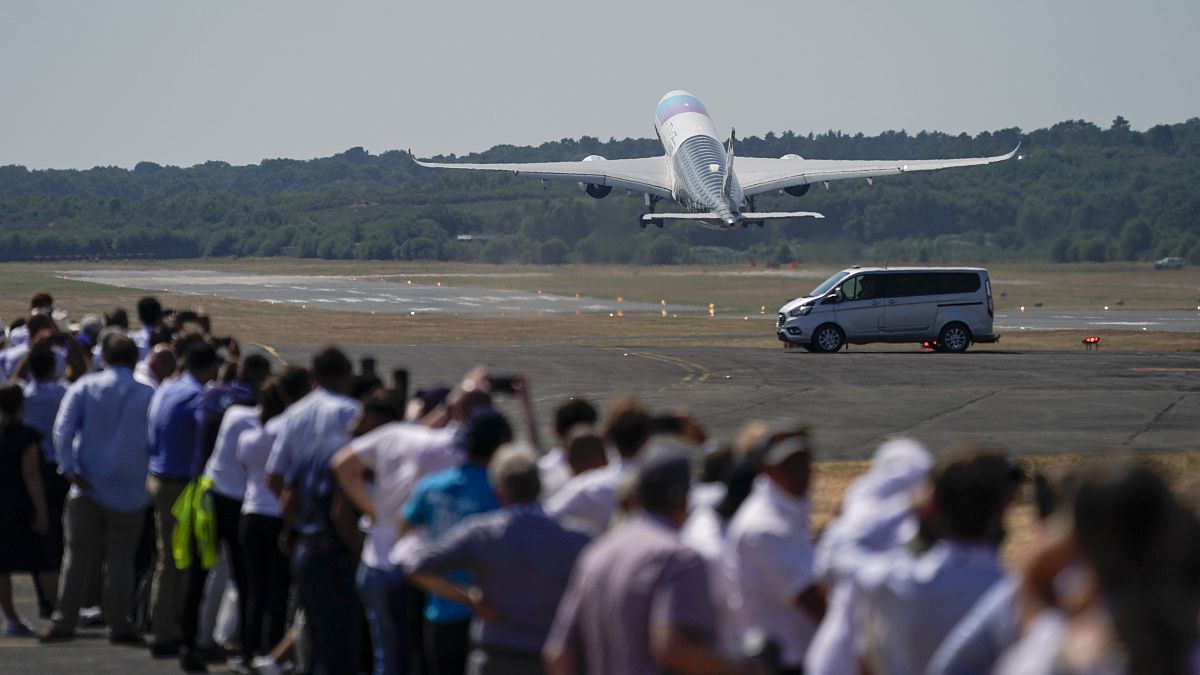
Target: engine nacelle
column 591, row 189
column 795, row 190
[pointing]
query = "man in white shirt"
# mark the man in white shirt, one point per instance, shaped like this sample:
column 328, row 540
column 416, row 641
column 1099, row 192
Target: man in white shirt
column 769, row 554
column 906, row 602
column 553, row 466
column 399, row 454
column 587, row 502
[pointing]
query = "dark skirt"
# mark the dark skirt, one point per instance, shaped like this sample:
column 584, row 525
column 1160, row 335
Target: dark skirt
column 21, row 549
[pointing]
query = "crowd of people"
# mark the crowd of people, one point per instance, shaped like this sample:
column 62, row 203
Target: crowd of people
column 344, row 526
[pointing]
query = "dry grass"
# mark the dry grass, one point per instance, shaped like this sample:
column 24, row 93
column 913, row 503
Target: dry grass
column 830, row 480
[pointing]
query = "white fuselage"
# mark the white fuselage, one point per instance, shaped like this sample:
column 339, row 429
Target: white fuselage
column 696, row 158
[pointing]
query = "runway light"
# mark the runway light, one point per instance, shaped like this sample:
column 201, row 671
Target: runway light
column 610, row 315
column 539, row 291
column 577, row 297
column 1091, row 342
column 664, row 312
column 620, row 313
column 1106, row 308
column 663, row 303
column 762, row 310
column 620, row 299
column 745, row 318
column 1144, row 328
column 1022, row 308
column 439, row 284
column 409, row 282
column 712, row 309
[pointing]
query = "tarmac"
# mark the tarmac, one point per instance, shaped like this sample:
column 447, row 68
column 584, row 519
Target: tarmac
column 1028, row 403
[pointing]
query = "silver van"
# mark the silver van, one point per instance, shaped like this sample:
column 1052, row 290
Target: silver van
column 944, row 308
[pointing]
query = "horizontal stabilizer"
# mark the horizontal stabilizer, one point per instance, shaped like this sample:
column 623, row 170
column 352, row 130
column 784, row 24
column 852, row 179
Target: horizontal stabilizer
column 649, row 217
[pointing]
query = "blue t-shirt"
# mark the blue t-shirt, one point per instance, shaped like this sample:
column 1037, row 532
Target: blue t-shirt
column 441, row 501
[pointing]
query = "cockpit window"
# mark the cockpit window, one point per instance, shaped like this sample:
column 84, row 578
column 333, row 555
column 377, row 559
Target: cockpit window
column 670, row 107
column 827, row 285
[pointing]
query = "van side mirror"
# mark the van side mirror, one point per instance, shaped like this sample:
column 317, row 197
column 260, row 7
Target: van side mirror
column 833, row 298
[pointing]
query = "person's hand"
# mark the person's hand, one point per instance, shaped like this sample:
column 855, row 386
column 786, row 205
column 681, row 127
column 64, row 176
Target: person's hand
column 690, row 428
column 234, row 350
column 42, row 336
column 521, row 388
column 475, row 379
column 481, row 608
column 41, row 523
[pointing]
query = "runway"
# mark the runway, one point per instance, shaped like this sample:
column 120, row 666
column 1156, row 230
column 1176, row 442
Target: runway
column 374, row 294
column 416, row 294
column 1027, row 403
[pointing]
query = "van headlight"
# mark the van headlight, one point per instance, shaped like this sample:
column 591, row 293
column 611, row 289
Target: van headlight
column 801, row 310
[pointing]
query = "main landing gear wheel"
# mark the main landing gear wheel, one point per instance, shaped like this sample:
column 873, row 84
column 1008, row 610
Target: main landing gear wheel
column 955, row 338
column 828, row 338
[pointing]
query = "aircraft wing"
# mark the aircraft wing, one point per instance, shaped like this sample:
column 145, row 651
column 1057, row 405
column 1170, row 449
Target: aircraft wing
column 762, row 174
column 648, row 174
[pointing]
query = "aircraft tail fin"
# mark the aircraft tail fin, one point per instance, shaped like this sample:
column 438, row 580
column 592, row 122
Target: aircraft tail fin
column 727, row 182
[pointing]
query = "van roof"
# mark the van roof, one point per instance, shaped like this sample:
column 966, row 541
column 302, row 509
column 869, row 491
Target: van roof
column 914, row 269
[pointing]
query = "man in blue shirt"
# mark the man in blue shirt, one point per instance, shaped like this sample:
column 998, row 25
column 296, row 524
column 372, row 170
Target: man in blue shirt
column 310, row 433
column 172, row 437
column 440, row 502
column 100, row 444
column 518, row 585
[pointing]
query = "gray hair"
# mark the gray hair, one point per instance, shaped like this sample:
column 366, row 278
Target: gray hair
column 514, row 474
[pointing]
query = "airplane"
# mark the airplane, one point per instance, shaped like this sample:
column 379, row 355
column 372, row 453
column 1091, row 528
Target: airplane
column 697, row 171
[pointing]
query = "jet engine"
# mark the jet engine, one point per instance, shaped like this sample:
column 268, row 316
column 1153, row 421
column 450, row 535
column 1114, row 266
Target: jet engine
column 591, row 189
column 795, row 190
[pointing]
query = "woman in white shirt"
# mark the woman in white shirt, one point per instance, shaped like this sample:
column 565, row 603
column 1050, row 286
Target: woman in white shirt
column 268, row 569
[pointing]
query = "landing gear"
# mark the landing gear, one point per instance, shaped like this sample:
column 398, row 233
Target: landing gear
column 651, row 202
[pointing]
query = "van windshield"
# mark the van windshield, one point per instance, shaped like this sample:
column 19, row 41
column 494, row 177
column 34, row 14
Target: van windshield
column 828, row 285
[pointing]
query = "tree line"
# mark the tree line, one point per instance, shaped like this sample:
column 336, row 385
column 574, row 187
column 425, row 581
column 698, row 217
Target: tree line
column 1080, row 193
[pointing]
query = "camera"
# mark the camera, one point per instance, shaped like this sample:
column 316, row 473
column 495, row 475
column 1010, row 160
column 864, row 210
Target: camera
column 504, row 384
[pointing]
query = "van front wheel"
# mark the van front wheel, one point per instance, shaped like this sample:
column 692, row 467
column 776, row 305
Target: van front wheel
column 955, row 337
column 828, row 338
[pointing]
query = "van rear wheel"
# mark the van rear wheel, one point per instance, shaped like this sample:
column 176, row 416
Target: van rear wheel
column 955, row 338
column 828, row 338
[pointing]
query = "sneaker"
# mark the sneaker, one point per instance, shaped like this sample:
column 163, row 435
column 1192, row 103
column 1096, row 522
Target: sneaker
column 190, row 661
column 238, row 665
column 162, row 650
column 91, row 616
column 265, row 665
column 17, row 628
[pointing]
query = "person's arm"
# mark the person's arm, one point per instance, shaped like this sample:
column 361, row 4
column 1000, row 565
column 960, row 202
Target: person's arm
column 471, row 596
column 66, row 425
column 33, row 484
column 460, row 548
column 521, row 392
column 811, row 601
column 350, row 470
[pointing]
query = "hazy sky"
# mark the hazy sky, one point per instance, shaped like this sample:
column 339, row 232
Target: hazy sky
column 112, row 83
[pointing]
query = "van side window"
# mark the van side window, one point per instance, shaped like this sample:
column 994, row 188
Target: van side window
column 909, row 284
column 960, row 282
column 864, row 287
